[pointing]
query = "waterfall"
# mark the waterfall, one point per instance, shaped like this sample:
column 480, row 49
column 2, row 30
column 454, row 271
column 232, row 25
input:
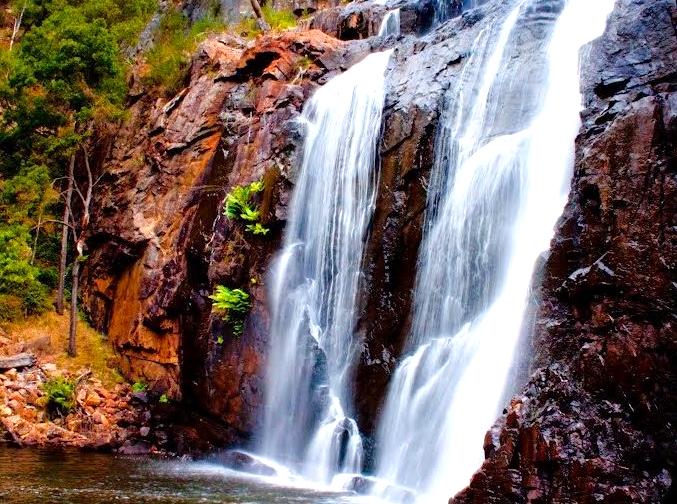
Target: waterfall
column 314, row 281
column 390, row 24
column 503, row 165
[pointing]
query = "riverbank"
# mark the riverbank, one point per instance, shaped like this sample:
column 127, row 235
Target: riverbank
column 81, row 402
column 99, row 418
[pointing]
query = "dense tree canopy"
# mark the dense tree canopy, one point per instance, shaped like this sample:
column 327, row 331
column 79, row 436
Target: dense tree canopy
column 65, row 75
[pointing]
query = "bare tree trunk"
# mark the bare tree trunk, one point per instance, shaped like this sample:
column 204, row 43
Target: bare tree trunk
column 63, row 258
column 79, row 235
column 37, row 236
column 256, row 7
column 17, row 26
column 72, row 331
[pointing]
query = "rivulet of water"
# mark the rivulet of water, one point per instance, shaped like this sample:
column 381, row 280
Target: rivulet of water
column 315, row 279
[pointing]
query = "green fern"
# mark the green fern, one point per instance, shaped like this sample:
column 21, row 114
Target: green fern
column 257, row 229
column 233, row 305
column 60, row 393
column 249, row 214
column 256, row 186
column 236, row 201
column 239, row 207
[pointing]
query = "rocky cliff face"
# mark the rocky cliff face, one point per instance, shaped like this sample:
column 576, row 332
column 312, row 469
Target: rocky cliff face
column 596, row 421
column 160, row 242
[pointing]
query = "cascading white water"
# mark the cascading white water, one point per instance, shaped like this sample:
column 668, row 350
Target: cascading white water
column 390, row 24
column 499, row 184
column 314, row 282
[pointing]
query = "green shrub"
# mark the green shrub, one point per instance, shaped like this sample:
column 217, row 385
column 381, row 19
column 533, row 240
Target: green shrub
column 35, row 299
column 233, row 305
column 11, row 308
column 139, row 386
column 281, row 19
column 238, row 206
column 60, row 393
column 163, row 399
column 175, row 42
column 48, row 276
column 18, row 277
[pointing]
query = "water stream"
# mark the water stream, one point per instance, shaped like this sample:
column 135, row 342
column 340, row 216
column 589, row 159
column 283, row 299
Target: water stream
column 499, row 184
column 390, row 24
column 314, row 282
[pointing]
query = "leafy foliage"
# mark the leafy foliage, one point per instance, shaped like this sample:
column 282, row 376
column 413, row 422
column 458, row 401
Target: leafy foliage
column 233, row 304
column 139, row 386
column 64, row 78
column 175, row 42
column 60, row 394
column 18, row 277
column 238, row 206
column 257, row 229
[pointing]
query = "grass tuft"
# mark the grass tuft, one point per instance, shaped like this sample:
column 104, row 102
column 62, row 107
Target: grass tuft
column 94, row 351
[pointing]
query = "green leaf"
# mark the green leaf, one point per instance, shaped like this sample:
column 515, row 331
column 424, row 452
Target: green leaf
column 233, row 304
column 257, row 229
column 250, row 215
column 256, row 186
column 139, row 386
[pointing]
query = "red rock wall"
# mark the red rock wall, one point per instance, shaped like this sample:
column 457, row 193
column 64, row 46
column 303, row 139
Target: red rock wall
column 159, row 242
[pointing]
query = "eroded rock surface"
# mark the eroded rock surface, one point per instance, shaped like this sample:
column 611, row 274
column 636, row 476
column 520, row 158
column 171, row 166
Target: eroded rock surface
column 161, row 243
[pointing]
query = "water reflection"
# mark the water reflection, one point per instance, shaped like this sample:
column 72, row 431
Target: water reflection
column 30, row 476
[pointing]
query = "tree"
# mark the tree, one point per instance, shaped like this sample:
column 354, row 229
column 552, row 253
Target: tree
column 17, row 26
column 64, row 79
column 78, row 227
column 63, row 252
column 258, row 12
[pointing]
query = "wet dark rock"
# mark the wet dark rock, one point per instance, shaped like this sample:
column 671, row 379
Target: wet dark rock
column 136, row 449
column 361, row 20
column 243, row 461
column 140, row 397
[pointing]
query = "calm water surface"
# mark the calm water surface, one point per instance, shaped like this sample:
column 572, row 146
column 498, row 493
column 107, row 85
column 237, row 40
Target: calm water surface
column 40, row 476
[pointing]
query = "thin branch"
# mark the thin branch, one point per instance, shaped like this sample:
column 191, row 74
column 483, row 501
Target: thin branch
column 17, row 26
column 57, row 221
column 37, row 235
column 79, row 193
